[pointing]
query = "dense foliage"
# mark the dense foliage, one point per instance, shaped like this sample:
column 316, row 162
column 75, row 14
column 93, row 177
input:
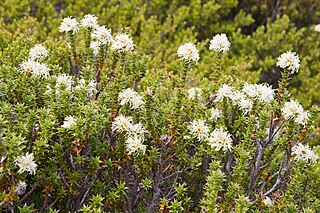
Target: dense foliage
column 139, row 119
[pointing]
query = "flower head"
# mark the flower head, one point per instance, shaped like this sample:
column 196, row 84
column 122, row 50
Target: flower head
column 131, row 97
column 35, row 68
column 38, row 52
column 69, row 24
column 102, row 35
column 122, row 43
column 95, row 46
column 267, row 201
column 195, row 93
column 26, row 163
column 199, row 129
column 215, row 114
column 219, row 43
column 259, row 92
column 21, row 188
column 69, row 122
column 64, row 79
column 135, row 145
column 304, row 152
column 188, row 52
column 317, row 28
column 220, row 139
column 289, row 60
column 122, row 124
column 89, row 21
column 137, row 130
column 293, row 110
column 225, row 91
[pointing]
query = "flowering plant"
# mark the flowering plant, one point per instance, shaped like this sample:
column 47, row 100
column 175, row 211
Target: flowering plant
column 99, row 131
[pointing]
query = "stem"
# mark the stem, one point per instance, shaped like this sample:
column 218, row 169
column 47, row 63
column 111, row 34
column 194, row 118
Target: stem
column 282, row 86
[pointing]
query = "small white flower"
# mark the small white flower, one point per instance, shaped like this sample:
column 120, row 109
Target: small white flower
column 69, row 24
column 131, row 97
column 135, row 145
column 92, row 88
column 199, row 129
column 26, row 163
column 215, row 114
column 137, row 130
column 259, row 92
column 28, row 66
column 289, row 60
column 220, row 43
column 293, row 110
column 245, row 105
column 188, row 52
column 122, row 124
column 69, row 122
column 89, row 21
column 225, row 91
column 267, row 201
column 35, row 68
column 95, row 46
column 220, row 139
column 236, row 97
column 195, row 93
column 317, row 28
column 38, row 52
column 21, row 188
column 64, row 79
column 122, row 43
column 102, row 35
column 304, row 152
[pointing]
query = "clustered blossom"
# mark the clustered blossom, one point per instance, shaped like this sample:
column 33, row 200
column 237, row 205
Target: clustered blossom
column 95, row 46
column 69, row 122
column 289, row 60
column 199, row 129
column 131, row 97
column 188, row 52
column 69, row 24
column 293, row 110
column 304, row 152
column 259, row 92
column 122, row 43
column 26, row 163
column 215, row 114
column 225, row 91
column 219, row 43
column 220, row 139
column 134, row 132
column 64, row 80
column 102, row 35
column 91, row 87
column 21, row 188
column 267, row 201
column 89, row 21
column 38, row 52
column 135, row 145
column 317, row 28
column 194, row 93
column 35, row 68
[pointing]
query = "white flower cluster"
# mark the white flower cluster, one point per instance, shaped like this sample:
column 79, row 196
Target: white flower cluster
column 26, row 163
column 224, row 91
column 134, row 132
column 21, row 188
column 293, row 110
column 131, row 97
column 195, row 93
column 304, row 152
column 33, row 65
column 215, row 114
column 69, row 122
column 38, row 53
column 188, row 52
column 69, row 24
column 289, row 60
column 89, row 21
column 220, row 139
column 199, row 129
column 101, row 35
column 122, row 43
column 267, row 201
column 220, row 43
column 91, row 87
column 317, row 28
column 259, row 92
column 63, row 81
